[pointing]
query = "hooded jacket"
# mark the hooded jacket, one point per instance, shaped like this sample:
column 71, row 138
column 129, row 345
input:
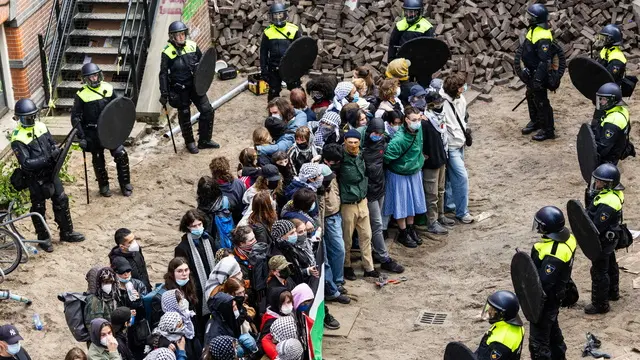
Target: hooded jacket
column 373, row 154
column 434, row 149
column 138, row 265
column 285, row 141
column 223, row 321
column 404, row 153
column 456, row 137
column 96, row 350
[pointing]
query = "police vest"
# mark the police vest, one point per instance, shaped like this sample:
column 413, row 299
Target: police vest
column 172, row 52
column 618, row 116
column 612, row 53
column 612, row 198
column 88, row 94
column 506, row 334
column 287, row 32
column 26, row 135
column 422, row 26
column 556, row 249
column 536, row 34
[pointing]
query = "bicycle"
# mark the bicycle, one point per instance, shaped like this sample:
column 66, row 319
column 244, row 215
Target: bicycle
column 13, row 250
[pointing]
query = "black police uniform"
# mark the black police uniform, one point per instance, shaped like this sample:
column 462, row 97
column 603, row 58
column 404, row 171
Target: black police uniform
column 612, row 134
column 88, row 104
column 614, row 60
column 554, row 261
column 177, row 66
column 536, row 56
column 404, row 31
column 503, row 341
column 37, row 155
column 275, row 42
column 605, row 211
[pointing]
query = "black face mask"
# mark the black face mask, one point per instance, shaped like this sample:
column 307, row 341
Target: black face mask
column 335, row 168
column 272, row 185
column 304, row 146
column 285, row 273
column 239, row 301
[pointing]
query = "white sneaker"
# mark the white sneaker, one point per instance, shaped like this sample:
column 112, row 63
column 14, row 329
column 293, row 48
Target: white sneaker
column 466, row 219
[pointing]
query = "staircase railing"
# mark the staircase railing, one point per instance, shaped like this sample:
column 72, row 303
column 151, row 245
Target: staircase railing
column 134, row 41
column 55, row 38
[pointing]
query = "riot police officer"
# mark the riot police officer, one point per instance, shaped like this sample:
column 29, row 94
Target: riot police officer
column 553, row 257
column 504, row 338
column 412, row 25
column 37, row 155
column 179, row 61
column 609, row 41
column 612, row 129
column 88, row 104
column 275, row 41
column 537, row 56
column 605, row 211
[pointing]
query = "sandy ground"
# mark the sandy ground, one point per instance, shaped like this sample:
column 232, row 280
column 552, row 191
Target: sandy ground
column 510, row 177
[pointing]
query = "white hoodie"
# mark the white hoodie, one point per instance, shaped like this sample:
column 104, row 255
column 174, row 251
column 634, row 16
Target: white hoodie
column 456, row 137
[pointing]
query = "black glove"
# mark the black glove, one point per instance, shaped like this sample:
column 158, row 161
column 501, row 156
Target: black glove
column 83, row 144
column 55, row 153
column 526, row 76
column 164, row 98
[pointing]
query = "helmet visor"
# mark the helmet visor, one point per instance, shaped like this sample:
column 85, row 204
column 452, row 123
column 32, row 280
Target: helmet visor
column 601, row 40
column 531, row 19
column 279, row 17
column 411, row 14
column 179, row 37
column 489, row 313
column 597, row 184
column 602, row 102
column 536, row 226
column 93, row 80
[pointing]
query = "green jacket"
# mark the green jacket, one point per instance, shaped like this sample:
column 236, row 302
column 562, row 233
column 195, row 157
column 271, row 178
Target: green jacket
column 100, row 353
column 352, row 179
column 404, row 153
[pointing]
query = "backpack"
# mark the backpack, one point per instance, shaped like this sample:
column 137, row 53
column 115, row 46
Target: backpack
column 153, row 305
column 74, row 304
column 224, row 225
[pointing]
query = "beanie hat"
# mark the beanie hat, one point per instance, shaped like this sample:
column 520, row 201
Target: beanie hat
column 399, row 69
column 343, row 89
column 281, row 227
column 353, row 133
column 119, row 317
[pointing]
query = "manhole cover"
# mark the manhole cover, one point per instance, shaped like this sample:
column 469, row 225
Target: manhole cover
column 431, row 318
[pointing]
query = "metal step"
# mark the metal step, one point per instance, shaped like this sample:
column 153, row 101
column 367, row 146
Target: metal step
column 103, row 67
column 98, row 33
column 77, row 85
column 104, row 16
column 92, row 50
column 64, row 102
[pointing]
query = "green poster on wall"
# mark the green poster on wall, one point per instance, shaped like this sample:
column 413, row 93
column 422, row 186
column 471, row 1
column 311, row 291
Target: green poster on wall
column 190, row 8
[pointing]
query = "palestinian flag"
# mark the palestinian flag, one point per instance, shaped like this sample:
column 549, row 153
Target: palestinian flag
column 315, row 320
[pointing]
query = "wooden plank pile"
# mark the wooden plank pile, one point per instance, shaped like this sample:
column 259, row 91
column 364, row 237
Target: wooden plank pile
column 482, row 34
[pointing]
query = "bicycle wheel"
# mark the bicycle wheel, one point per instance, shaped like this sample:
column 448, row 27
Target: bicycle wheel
column 10, row 251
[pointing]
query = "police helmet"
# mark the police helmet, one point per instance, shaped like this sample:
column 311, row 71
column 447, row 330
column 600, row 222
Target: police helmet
column 175, row 28
column 25, row 111
column 549, row 221
column 537, row 14
column 502, row 305
column 610, row 35
column 606, row 176
column 608, row 96
column 278, row 14
column 91, row 69
column 412, row 10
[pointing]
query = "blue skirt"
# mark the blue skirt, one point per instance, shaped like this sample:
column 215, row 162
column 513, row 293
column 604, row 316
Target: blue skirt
column 404, row 195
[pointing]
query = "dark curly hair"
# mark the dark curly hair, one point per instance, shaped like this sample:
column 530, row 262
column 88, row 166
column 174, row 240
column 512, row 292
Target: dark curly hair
column 324, row 84
column 220, row 169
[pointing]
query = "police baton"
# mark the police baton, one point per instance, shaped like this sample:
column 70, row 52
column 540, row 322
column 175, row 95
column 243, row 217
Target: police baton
column 520, row 103
column 166, row 112
column 86, row 177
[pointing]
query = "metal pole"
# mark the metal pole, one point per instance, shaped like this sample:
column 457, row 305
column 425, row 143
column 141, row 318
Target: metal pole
column 520, row 103
column 216, row 104
column 86, row 177
column 173, row 140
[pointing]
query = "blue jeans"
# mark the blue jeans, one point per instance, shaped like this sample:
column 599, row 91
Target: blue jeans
column 335, row 248
column 247, row 345
column 456, row 195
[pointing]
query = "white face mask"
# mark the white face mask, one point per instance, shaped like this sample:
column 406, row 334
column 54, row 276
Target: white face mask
column 184, row 305
column 236, row 313
column 398, row 92
column 104, row 341
column 134, row 246
column 13, row 349
column 106, row 288
column 286, row 309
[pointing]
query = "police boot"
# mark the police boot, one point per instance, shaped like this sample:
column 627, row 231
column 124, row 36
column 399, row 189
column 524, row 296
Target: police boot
column 411, row 231
column 41, row 230
column 599, row 294
column 205, row 132
column 543, row 135
column 62, row 216
column 529, row 128
column 187, row 134
column 102, row 175
column 404, row 239
column 124, row 175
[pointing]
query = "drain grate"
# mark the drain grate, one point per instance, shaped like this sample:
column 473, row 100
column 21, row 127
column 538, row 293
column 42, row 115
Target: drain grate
column 431, row 318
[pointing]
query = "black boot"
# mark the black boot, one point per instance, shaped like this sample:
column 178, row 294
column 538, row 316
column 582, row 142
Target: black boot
column 99, row 167
column 411, row 230
column 593, row 309
column 63, row 219
column 205, row 132
column 543, row 135
column 187, row 131
column 192, row 148
column 529, row 128
column 124, row 175
column 41, row 231
column 406, row 240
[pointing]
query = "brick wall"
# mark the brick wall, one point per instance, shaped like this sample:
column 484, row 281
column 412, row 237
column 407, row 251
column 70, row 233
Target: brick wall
column 22, row 43
column 200, row 27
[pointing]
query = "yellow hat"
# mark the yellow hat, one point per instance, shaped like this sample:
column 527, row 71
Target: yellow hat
column 399, row 69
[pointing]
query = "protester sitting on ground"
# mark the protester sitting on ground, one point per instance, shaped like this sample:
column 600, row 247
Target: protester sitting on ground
column 127, row 246
column 457, row 179
column 393, row 121
column 405, row 193
column 262, row 217
column 270, row 181
column 120, row 323
column 169, row 334
column 104, row 345
column 283, row 328
column 248, row 169
column 299, row 102
column 290, row 349
column 281, row 160
column 221, row 348
column 232, row 188
column 329, row 130
column 262, row 137
column 102, row 303
column 10, row 347
column 224, row 322
column 178, row 276
column 74, row 354
column 303, row 150
column 227, row 267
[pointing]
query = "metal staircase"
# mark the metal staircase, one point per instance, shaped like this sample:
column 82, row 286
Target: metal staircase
column 114, row 34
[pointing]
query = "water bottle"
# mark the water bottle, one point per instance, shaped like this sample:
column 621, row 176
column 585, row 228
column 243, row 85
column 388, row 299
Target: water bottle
column 132, row 320
column 129, row 286
column 31, row 249
column 37, row 324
